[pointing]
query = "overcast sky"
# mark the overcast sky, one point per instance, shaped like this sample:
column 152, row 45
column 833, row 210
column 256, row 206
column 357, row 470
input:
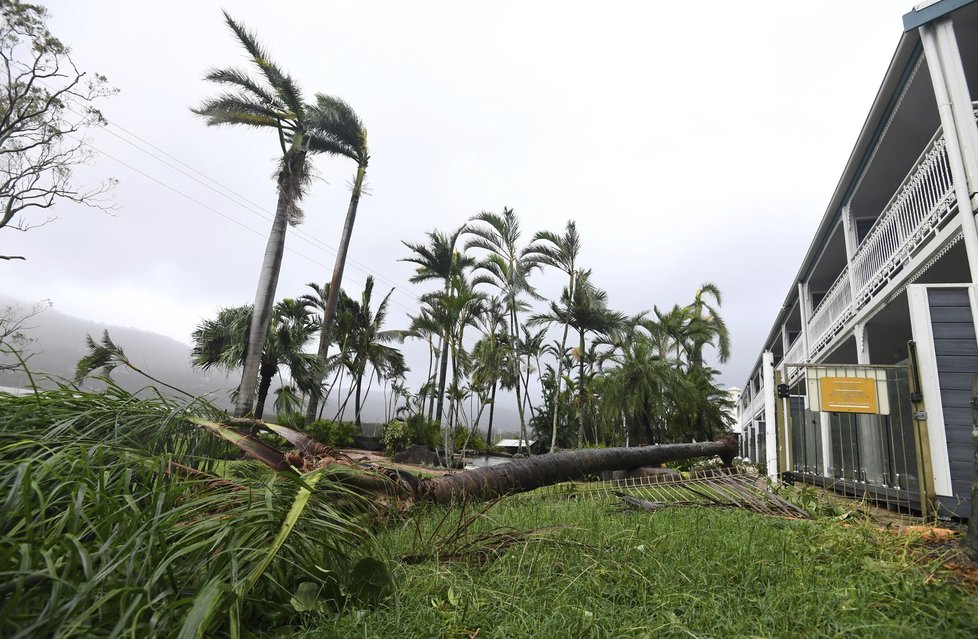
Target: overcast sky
column 691, row 142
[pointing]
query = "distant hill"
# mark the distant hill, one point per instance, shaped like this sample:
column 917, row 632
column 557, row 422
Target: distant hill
column 58, row 342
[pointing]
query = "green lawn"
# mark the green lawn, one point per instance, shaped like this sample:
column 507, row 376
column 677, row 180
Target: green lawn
column 674, row 573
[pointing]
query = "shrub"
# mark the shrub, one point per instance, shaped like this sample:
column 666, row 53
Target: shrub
column 424, row 432
column 295, row 421
column 332, row 433
column 397, row 436
column 476, row 442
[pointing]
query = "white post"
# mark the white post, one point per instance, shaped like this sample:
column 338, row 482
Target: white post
column 804, row 307
column 870, row 442
column 851, row 236
column 940, row 69
column 825, row 425
column 770, row 422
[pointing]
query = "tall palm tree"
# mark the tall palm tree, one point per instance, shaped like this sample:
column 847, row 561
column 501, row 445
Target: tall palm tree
column 587, row 312
column 273, row 101
column 506, row 268
column 439, row 260
column 345, row 135
column 452, row 312
column 560, row 252
column 223, row 342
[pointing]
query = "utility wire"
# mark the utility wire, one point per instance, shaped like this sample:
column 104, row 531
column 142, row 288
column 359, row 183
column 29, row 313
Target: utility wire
column 230, row 194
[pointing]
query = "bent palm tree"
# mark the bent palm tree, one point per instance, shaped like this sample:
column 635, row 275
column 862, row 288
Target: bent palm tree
column 341, row 133
column 273, row 101
column 712, row 329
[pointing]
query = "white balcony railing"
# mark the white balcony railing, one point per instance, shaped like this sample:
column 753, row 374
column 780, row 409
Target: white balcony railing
column 794, row 355
column 920, row 206
column 831, row 313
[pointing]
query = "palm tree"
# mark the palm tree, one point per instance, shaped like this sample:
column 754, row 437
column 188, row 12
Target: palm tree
column 506, row 268
column 560, row 252
column 369, row 344
column 272, row 101
column 637, row 390
column 712, row 328
column 439, row 260
column 425, row 326
column 492, row 357
column 672, row 330
column 223, row 342
column 344, row 134
column 587, row 312
column 452, row 312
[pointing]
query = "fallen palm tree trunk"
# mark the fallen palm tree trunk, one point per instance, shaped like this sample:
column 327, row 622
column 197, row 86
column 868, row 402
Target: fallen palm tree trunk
column 482, row 483
column 544, row 470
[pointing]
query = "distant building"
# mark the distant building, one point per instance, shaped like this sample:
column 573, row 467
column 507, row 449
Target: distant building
column 893, row 261
column 734, row 394
column 512, row 445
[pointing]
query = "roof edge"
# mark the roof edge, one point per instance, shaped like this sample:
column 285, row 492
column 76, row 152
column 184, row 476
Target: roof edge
column 928, row 12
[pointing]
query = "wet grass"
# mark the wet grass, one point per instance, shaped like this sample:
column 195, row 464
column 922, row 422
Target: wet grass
column 675, row 573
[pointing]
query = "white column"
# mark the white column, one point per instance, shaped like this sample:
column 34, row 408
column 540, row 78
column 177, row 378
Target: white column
column 805, row 308
column 785, row 343
column 770, row 422
column 960, row 98
column 851, row 236
column 825, row 425
column 870, row 442
column 946, row 76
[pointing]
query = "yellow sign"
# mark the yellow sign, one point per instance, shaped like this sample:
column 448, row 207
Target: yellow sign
column 848, row 394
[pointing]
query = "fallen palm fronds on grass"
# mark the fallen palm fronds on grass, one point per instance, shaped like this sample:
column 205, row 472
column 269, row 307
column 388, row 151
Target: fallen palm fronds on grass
column 117, row 523
column 652, row 494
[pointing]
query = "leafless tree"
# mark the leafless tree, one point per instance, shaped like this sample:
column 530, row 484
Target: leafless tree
column 46, row 105
column 14, row 324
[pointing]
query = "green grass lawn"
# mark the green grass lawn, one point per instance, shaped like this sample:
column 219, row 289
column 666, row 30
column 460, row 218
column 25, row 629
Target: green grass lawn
column 673, row 573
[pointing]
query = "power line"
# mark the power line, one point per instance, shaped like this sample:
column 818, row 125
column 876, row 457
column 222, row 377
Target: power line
column 211, row 209
column 230, row 194
column 245, row 203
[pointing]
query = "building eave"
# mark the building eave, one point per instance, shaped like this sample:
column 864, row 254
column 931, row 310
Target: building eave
column 929, row 11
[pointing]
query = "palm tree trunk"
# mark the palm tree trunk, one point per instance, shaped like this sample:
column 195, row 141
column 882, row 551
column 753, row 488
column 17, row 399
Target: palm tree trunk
column 266, row 381
column 442, row 379
column 543, row 470
column 514, row 323
column 560, row 361
column 356, row 400
column 329, row 313
column 264, row 298
column 427, row 395
column 580, row 390
column 492, row 410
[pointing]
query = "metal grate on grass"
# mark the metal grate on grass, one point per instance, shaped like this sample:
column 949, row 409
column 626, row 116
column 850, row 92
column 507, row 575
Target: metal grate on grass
column 734, row 489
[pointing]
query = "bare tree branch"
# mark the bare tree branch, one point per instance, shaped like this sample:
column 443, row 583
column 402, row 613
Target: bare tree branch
column 46, row 105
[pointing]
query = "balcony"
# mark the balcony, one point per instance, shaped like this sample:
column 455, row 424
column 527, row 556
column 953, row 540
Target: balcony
column 920, row 207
